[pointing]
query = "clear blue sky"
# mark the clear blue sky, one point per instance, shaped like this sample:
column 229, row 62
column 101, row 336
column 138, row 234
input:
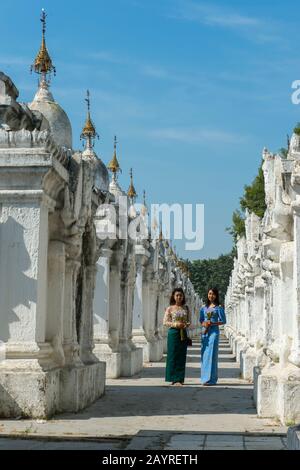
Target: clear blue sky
column 194, row 90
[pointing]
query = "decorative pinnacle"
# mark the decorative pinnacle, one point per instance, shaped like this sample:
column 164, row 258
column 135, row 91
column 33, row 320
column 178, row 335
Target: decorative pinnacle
column 131, row 191
column 154, row 223
column 89, row 133
column 43, row 63
column 113, row 165
column 144, row 209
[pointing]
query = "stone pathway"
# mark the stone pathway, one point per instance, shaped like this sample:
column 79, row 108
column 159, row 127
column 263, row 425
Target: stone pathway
column 143, row 412
column 157, row 441
column 197, row 441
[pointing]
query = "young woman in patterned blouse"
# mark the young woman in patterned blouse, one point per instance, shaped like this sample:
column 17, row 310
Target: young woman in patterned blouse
column 177, row 318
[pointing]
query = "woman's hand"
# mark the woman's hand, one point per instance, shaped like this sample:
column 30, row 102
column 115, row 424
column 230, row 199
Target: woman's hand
column 180, row 324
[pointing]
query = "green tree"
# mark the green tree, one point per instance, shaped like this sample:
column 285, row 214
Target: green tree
column 238, row 226
column 253, row 200
column 211, row 273
column 297, row 129
column 254, row 195
column 283, row 152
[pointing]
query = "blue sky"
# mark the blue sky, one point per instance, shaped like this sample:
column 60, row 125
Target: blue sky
column 194, row 90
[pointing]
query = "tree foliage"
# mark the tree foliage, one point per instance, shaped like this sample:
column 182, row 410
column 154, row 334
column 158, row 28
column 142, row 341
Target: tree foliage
column 238, row 228
column 297, row 129
column 283, row 152
column 253, row 200
column 254, row 195
column 211, row 273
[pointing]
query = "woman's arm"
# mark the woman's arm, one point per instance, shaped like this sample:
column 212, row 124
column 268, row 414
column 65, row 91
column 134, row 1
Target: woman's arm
column 168, row 318
column 222, row 317
column 202, row 320
column 201, row 317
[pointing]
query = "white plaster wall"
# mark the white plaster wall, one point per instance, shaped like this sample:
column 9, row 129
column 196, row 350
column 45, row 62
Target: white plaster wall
column 101, row 299
column 23, row 271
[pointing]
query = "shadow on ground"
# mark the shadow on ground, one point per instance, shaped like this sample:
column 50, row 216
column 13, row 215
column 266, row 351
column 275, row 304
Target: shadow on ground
column 147, row 394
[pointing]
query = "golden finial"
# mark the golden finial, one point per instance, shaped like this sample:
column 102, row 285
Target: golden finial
column 43, row 63
column 144, row 206
column 89, row 133
column 154, row 222
column 182, row 265
column 113, row 165
column 131, row 191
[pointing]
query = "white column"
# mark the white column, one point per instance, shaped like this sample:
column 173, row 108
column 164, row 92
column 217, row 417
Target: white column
column 70, row 343
column 102, row 297
column 56, row 290
column 295, row 352
column 86, row 324
column 139, row 302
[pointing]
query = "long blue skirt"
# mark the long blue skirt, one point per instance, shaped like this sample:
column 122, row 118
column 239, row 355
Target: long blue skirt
column 209, row 357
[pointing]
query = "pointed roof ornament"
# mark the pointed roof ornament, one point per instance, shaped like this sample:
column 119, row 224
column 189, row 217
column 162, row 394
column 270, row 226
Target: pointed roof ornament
column 114, row 165
column 144, row 208
column 89, row 133
column 43, row 63
column 131, row 190
column 154, row 222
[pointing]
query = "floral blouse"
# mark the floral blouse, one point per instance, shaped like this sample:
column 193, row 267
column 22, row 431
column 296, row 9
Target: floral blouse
column 178, row 314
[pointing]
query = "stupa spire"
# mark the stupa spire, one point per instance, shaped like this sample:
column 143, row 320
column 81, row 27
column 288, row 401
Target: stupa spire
column 43, row 65
column 89, row 133
column 114, row 165
column 131, row 191
column 144, row 209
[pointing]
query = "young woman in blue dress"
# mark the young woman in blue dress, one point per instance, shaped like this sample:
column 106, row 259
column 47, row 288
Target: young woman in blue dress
column 212, row 315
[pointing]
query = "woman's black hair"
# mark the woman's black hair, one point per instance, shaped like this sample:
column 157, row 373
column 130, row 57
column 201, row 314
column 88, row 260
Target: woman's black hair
column 216, row 292
column 172, row 298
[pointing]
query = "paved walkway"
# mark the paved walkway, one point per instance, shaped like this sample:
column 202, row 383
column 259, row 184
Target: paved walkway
column 154, row 441
column 143, row 412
